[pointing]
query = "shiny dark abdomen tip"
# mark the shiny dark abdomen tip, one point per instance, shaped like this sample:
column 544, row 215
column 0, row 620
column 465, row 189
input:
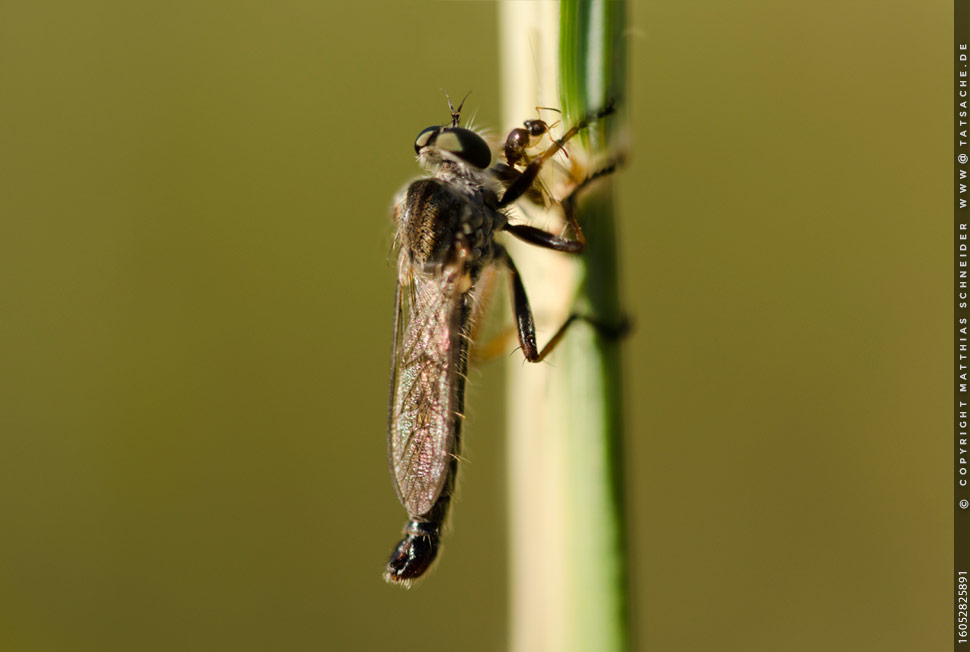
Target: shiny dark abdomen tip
column 414, row 554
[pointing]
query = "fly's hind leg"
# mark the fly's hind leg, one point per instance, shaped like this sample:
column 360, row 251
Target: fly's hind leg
column 525, row 324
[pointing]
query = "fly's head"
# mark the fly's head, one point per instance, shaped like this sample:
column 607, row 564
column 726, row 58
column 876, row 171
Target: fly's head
column 453, row 146
column 456, row 146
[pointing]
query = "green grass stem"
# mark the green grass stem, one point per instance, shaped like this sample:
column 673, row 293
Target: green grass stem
column 568, row 564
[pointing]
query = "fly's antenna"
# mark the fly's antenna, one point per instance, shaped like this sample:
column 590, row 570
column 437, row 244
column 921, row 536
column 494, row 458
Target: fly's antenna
column 455, row 113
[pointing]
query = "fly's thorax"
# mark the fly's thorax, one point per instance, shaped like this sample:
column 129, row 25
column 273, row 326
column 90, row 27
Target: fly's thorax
column 463, row 178
column 441, row 223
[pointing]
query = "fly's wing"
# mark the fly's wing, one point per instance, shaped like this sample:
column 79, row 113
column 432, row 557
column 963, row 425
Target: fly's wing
column 426, row 386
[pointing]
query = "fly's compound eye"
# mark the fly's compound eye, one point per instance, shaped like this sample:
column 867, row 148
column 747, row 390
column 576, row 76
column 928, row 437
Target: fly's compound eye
column 465, row 144
column 425, row 138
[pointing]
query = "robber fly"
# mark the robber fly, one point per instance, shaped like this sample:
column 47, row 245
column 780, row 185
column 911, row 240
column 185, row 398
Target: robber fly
column 446, row 226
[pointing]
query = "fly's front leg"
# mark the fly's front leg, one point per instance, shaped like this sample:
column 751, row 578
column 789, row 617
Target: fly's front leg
column 548, row 240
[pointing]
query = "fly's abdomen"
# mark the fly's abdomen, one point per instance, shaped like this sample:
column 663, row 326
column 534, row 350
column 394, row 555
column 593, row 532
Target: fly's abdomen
column 414, row 554
column 422, row 430
column 424, row 434
column 425, row 424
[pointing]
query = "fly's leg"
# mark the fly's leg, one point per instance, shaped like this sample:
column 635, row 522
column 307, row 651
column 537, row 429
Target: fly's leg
column 501, row 343
column 521, row 185
column 494, row 347
column 547, row 240
column 525, row 324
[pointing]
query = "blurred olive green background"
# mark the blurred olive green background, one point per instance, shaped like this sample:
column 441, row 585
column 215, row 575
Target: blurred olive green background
column 196, row 302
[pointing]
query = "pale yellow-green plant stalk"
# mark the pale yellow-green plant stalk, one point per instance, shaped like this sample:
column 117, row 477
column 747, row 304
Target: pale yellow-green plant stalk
column 568, row 568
